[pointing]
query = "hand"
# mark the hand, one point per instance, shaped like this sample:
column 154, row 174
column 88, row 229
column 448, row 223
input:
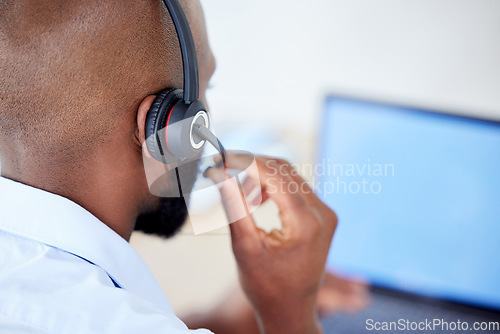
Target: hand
column 338, row 295
column 280, row 272
column 234, row 313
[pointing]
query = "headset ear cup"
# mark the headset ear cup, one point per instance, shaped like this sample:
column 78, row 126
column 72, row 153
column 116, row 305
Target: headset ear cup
column 150, row 126
column 156, row 120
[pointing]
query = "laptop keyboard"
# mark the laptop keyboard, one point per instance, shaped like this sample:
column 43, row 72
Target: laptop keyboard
column 387, row 307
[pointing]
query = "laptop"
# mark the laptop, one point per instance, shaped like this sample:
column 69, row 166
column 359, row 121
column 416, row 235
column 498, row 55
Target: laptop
column 417, row 193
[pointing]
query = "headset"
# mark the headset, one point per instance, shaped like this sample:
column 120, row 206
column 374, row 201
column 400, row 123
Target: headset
column 178, row 123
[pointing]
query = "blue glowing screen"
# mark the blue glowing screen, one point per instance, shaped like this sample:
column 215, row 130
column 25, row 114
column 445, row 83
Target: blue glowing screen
column 418, row 199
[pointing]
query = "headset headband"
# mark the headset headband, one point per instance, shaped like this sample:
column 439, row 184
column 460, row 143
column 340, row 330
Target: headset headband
column 188, row 51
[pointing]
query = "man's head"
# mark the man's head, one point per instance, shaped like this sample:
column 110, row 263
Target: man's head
column 77, row 79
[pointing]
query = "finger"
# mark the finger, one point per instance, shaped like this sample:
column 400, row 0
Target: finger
column 304, row 186
column 241, row 222
column 250, row 186
column 330, row 219
column 242, row 161
column 253, row 192
column 278, row 184
column 239, row 160
column 265, row 171
column 280, row 187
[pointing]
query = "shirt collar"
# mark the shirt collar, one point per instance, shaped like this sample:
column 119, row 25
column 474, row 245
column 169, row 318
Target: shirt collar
column 58, row 222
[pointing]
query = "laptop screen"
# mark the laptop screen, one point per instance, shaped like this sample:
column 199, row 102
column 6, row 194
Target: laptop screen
column 418, row 199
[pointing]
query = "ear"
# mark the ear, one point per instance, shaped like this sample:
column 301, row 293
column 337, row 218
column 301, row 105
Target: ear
column 142, row 113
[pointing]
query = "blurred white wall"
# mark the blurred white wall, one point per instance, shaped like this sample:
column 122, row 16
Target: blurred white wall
column 277, row 59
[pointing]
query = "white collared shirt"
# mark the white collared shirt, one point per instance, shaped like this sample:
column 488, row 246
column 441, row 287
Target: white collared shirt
column 64, row 271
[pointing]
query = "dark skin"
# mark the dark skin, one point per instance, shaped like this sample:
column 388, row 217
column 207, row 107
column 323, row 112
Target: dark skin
column 110, row 180
column 235, row 314
column 281, row 273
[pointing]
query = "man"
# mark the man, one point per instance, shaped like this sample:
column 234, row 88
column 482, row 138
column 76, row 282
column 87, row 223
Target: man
column 77, row 80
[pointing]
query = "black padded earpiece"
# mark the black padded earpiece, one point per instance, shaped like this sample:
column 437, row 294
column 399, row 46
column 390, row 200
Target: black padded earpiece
column 156, row 120
column 169, row 110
